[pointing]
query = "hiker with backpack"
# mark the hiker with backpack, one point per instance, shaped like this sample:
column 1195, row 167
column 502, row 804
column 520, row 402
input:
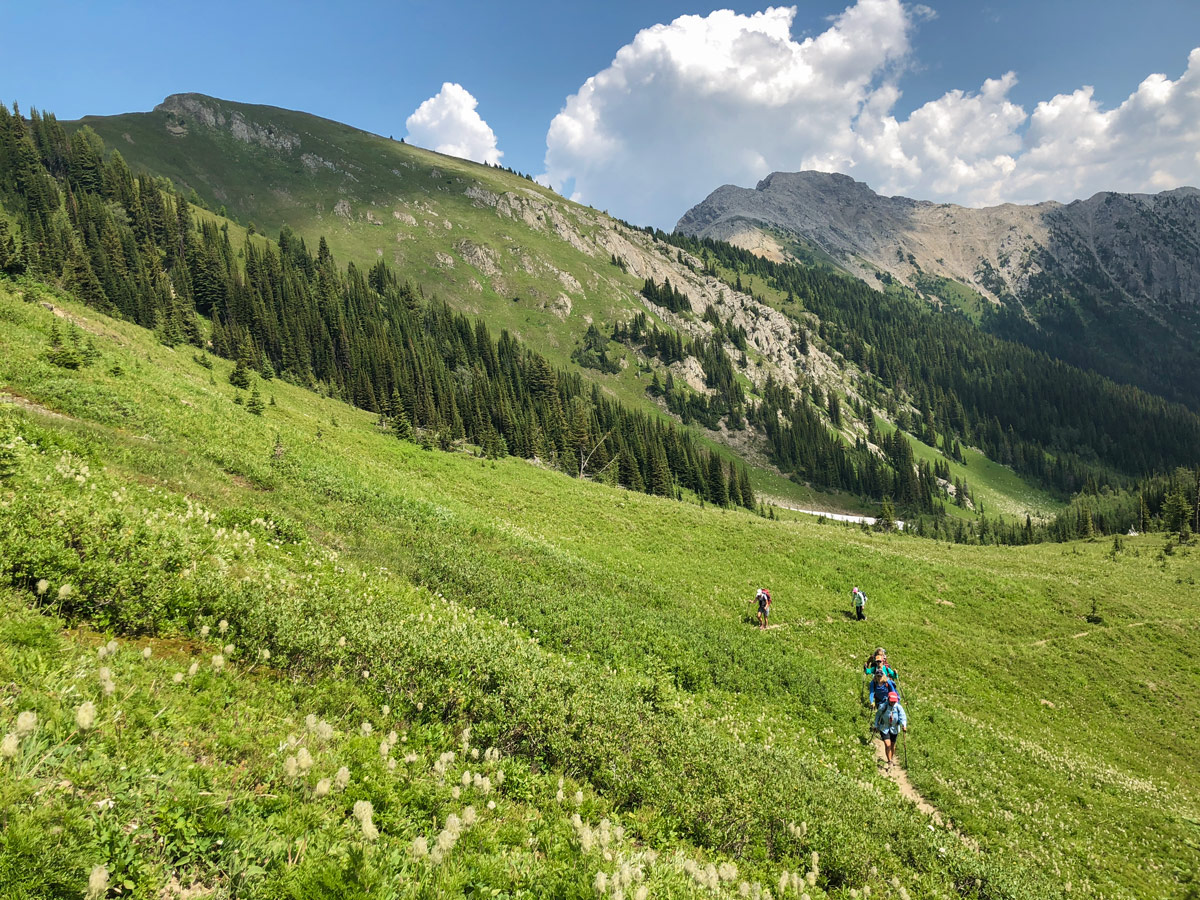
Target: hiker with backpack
column 882, row 684
column 764, row 607
column 877, row 662
column 890, row 721
column 860, row 604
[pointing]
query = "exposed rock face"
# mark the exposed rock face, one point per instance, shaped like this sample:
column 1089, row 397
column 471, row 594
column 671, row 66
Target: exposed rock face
column 199, row 108
column 1104, row 282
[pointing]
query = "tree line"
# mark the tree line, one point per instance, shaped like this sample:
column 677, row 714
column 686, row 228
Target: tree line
column 129, row 246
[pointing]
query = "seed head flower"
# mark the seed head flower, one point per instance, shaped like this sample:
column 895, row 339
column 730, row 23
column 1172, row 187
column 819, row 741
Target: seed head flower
column 600, row 884
column 491, row 804
column 291, row 768
column 324, row 731
column 65, row 591
column 218, row 662
column 310, row 722
column 641, row 893
column 386, row 710
column 223, row 626
column 366, row 729
column 85, row 715
column 341, row 642
column 97, row 883
column 147, row 653
column 468, row 816
column 266, row 654
column 42, row 586
column 205, row 631
column 10, row 746
column 342, row 778
column 229, row 649
column 578, row 798
column 420, row 847
column 177, row 678
column 456, row 792
column 193, row 669
column 112, row 646
column 304, row 759
column 363, row 812
column 322, row 788
column 26, row 723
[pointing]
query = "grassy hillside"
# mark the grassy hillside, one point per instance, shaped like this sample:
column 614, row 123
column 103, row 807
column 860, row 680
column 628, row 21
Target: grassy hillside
column 590, row 634
column 490, row 242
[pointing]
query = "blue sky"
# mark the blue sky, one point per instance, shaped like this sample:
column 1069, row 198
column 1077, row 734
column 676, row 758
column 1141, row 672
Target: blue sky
column 373, row 64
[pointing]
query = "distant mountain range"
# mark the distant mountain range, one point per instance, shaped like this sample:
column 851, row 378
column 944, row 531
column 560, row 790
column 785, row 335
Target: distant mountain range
column 1111, row 283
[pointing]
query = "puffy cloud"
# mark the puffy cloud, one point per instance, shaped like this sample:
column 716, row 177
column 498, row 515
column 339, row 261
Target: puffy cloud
column 725, row 97
column 448, row 123
column 709, row 100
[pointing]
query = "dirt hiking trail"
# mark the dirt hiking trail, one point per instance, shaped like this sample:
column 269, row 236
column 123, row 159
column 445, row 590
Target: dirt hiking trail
column 910, row 793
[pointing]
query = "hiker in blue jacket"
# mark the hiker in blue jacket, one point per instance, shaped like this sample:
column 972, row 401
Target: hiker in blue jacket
column 890, row 720
column 882, row 684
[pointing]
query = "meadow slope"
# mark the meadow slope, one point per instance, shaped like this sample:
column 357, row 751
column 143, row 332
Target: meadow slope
column 587, row 633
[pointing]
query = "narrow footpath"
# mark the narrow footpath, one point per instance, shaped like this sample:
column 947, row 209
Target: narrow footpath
column 911, row 794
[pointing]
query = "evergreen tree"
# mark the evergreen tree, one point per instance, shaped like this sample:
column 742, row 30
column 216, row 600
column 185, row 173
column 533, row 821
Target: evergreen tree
column 255, row 403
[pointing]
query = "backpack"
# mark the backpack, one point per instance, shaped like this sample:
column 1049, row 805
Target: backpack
column 860, row 599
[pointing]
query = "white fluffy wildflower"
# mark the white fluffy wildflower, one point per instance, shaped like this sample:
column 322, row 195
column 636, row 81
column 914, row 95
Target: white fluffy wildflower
column 466, row 740
column 218, row 662
column 97, row 883
column 310, row 723
column 322, row 788
column 304, row 759
column 342, row 778
column 420, row 848
column 65, row 591
column 10, row 745
column 291, row 768
column 386, row 710
column 491, row 804
column 600, row 883
column 468, row 816
column 147, row 652
column 193, row 669
column 324, row 731
column 363, row 812
column 101, row 652
column 500, row 777
column 85, row 715
column 228, row 649
column 265, row 654
column 578, row 798
column 26, row 723
column 411, row 758
column 177, row 678
column 112, row 646
column 366, row 729
column 205, row 631
column 223, row 626
column 641, row 893
column 456, row 792
column 42, row 586
column 391, row 764
column 727, row 871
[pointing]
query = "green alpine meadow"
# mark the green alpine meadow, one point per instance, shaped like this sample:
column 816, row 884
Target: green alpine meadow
column 380, row 524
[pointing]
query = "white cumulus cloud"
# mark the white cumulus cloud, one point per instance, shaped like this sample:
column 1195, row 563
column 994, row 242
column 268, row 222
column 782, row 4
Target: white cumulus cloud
column 448, row 123
column 727, row 98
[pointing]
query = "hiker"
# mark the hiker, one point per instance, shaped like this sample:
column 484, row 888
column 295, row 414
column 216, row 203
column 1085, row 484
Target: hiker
column 764, row 607
column 882, row 684
column 889, row 722
column 878, row 661
column 860, row 603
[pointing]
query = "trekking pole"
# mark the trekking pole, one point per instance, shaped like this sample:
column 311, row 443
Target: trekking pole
column 905, row 734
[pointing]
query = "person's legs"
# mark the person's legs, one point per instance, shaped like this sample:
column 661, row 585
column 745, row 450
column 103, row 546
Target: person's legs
column 858, row 611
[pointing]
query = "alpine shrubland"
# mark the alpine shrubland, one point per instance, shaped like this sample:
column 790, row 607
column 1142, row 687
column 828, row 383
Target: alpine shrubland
column 306, row 562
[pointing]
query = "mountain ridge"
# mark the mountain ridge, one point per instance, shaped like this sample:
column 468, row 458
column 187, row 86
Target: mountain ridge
column 1115, row 275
